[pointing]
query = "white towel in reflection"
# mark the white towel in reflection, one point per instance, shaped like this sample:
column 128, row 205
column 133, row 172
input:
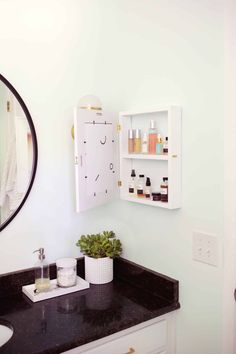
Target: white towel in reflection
column 15, row 175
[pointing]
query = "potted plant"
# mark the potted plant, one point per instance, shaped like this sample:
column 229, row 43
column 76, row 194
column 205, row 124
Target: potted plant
column 99, row 251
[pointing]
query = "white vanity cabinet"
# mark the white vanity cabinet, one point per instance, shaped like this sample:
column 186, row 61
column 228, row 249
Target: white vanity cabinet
column 101, row 178
column 156, row 336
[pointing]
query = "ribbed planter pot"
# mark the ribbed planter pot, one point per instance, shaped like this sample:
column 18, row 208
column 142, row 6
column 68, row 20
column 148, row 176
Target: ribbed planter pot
column 98, row 270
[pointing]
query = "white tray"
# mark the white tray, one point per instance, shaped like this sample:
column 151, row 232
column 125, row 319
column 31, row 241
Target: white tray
column 29, row 290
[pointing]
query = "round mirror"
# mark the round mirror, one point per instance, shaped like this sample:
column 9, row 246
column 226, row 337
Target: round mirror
column 18, row 152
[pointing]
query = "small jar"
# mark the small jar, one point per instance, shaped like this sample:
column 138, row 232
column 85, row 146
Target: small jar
column 156, row 196
column 66, row 272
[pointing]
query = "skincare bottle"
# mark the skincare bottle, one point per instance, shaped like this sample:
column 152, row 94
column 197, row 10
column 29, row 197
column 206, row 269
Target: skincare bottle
column 42, row 278
column 148, row 188
column 159, row 145
column 145, row 144
column 165, row 146
column 164, row 190
column 140, row 186
column 130, row 141
column 132, row 183
column 137, row 141
column 152, row 138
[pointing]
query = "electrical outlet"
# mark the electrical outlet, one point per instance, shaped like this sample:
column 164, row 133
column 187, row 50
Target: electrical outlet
column 205, row 248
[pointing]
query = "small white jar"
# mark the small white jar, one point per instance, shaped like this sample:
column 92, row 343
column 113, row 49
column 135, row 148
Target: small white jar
column 66, row 272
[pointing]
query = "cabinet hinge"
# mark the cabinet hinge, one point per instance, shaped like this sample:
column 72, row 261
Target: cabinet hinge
column 76, row 160
column 118, row 127
column 119, row 184
column 8, row 106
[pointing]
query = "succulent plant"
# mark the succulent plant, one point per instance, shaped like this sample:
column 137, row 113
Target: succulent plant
column 100, row 245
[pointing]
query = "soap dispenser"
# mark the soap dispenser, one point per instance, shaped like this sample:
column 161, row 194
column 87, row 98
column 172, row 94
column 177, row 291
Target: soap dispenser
column 42, row 278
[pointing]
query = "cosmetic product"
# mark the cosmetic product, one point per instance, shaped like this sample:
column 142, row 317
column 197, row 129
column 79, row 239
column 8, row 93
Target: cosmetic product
column 164, row 190
column 165, row 146
column 137, row 141
column 145, row 144
column 66, row 272
column 132, row 183
column 156, row 196
column 148, row 188
column 130, row 141
column 42, row 278
column 140, row 186
column 159, row 145
column 152, row 137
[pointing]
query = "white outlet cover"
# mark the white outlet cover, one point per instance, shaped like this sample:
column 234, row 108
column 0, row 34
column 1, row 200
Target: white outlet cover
column 205, row 248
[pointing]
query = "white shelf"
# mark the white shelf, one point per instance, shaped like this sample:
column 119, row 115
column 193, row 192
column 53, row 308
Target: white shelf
column 148, row 111
column 145, row 157
column 146, row 201
column 168, row 123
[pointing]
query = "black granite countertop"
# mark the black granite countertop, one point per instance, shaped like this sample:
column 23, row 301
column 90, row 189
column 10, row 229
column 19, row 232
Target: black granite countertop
column 56, row 325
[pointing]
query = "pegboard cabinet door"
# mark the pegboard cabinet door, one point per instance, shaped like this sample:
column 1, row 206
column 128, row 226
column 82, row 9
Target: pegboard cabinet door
column 95, row 165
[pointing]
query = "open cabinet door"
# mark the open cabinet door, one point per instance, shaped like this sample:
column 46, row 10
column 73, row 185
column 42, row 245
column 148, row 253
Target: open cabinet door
column 95, row 167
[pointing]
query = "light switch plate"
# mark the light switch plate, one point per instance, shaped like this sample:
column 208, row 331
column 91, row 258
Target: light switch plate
column 205, row 248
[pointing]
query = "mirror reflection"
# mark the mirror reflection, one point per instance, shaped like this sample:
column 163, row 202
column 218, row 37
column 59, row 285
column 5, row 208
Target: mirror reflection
column 17, row 152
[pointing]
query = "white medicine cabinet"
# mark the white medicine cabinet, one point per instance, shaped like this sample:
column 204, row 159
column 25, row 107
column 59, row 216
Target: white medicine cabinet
column 99, row 175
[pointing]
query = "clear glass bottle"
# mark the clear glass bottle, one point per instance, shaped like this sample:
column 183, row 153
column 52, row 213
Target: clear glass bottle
column 148, row 188
column 132, row 183
column 152, row 137
column 165, row 146
column 140, row 186
column 130, row 141
column 42, row 278
column 145, row 144
column 137, row 141
column 164, row 190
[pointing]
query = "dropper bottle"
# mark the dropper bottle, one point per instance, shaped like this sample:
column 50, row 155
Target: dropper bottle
column 42, row 278
column 132, row 184
column 148, row 188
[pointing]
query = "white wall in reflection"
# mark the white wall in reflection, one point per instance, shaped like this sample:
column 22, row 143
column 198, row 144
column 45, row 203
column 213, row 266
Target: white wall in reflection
column 15, row 153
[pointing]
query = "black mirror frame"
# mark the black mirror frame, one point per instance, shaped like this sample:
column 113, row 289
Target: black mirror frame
column 35, row 149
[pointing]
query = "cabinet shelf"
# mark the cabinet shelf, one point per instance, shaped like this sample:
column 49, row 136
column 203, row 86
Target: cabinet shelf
column 145, row 157
column 146, row 201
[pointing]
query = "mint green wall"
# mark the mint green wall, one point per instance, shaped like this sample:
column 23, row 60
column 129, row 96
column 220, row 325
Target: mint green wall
column 132, row 54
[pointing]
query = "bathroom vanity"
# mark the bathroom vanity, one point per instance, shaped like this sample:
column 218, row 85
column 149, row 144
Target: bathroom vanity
column 135, row 313
column 154, row 336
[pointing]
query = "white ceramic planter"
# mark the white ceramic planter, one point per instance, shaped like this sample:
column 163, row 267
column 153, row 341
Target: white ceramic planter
column 98, row 270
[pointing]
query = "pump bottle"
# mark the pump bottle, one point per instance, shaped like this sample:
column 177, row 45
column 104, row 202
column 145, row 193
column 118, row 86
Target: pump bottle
column 42, row 278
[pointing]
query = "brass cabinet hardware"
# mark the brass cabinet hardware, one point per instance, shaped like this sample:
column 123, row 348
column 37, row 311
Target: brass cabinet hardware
column 118, row 127
column 73, row 132
column 131, row 350
column 91, row 107
column 76, row 160
column 174, row 155
column 8, row 106
column 119, row 184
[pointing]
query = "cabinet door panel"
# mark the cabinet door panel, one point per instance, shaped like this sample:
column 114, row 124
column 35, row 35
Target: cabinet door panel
column 95, row 165
column 149, row 340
